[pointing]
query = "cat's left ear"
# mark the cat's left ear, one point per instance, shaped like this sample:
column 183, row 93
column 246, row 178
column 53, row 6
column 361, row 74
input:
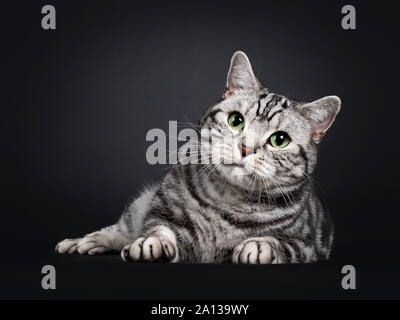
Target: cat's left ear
column 321, row 113
column 240, row 75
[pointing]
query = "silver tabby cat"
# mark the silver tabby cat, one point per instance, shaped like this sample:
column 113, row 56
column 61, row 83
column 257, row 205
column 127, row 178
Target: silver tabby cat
column 256, row 205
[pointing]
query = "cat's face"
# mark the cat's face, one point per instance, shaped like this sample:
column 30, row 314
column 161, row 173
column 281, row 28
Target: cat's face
column 258, row 138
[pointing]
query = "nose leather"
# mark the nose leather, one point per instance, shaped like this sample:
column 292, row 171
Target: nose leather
column 246, row 150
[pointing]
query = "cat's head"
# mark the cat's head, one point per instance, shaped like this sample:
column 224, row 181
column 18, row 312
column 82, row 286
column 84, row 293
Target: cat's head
column 256, row 136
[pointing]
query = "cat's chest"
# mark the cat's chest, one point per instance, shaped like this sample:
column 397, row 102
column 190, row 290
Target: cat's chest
column 217, row 235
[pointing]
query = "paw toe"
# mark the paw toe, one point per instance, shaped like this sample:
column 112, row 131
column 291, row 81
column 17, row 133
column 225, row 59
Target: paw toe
column 97, row 250
column 249, row 253
column 152, row 249
column 169, row 250
column 125, row 253
column 133, row 251
column 66, row 246
column 264, row 253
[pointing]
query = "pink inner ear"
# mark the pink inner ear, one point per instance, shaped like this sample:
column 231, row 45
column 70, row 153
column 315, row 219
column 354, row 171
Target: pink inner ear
column 317, row 136
column 227, row 93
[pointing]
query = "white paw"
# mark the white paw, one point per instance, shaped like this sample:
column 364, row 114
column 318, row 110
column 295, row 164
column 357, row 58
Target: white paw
column 150, row 249
column 262, row 250
column 93, row 243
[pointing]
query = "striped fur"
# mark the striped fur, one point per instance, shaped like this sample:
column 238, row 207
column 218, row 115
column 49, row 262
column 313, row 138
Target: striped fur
column 258, row 208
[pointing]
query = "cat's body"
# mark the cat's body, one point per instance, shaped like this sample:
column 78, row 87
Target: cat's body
column 255, row 205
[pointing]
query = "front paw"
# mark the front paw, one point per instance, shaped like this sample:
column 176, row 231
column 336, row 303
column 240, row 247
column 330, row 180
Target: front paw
column 262, row 250
column 93, row 243
column 151, row 249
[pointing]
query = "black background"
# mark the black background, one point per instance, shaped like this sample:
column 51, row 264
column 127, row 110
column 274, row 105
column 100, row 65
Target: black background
column 79, row 100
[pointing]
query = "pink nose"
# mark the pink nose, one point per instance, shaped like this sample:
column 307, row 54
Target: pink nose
column 246, row 150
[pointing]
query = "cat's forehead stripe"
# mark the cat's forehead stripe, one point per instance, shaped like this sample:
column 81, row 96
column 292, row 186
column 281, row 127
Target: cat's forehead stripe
column 271, row 104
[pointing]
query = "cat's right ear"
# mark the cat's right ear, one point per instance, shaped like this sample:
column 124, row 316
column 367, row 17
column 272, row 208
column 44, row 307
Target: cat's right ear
column 321, row 114
column 240, row 75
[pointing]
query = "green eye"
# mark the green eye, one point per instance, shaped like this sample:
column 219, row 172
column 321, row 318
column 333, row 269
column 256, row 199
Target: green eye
column 279, row 140
column 236, row 121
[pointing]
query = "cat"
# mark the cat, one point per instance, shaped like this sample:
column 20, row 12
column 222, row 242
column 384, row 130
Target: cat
column 257, row 205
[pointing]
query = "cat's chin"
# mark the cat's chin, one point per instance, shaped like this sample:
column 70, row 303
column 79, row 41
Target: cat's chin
column 237, row 174
column 234, row 170
column 244, row 175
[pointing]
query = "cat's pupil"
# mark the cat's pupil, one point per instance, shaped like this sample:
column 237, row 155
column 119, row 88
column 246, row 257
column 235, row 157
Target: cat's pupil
column 280, row 138
column 237, row 120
